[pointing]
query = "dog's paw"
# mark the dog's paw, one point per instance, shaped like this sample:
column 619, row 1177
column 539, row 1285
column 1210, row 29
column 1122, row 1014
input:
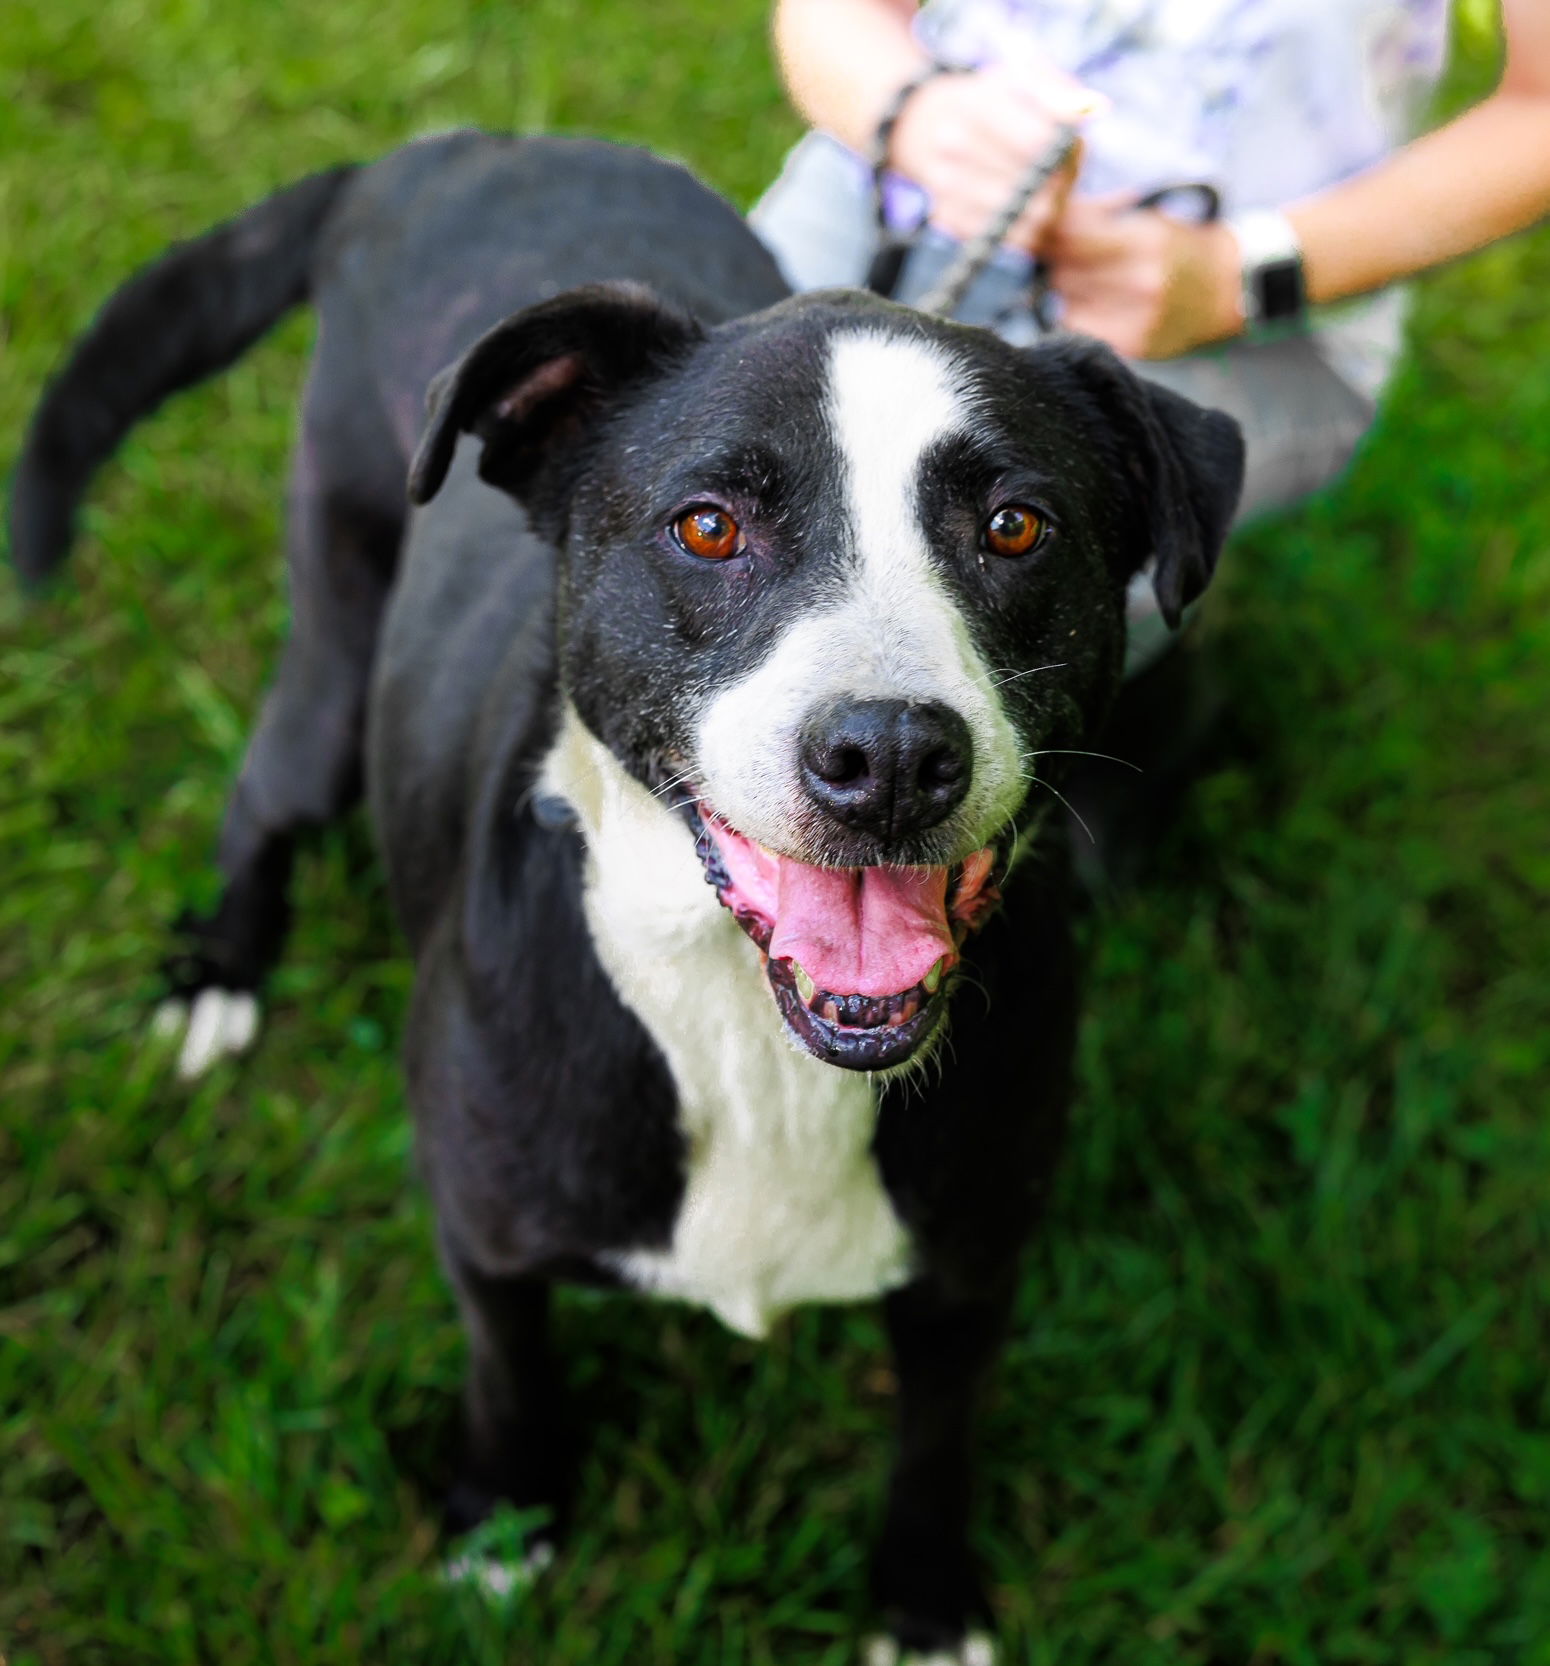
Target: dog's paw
column 499, row 1550
column 977, row 1649
column 927, row 1592
column 217, row 1024
column 498, row 1578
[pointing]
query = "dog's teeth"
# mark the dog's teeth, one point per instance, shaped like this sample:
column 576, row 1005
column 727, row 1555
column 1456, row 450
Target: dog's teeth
column 908, row 1007
column 933, row 978
column 831, row 1011
column 806, row 988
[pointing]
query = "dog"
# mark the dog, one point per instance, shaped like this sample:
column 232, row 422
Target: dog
column 711, row 686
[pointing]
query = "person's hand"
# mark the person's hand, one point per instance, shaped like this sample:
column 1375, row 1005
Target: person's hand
column 1151, row 286
column 969, row 139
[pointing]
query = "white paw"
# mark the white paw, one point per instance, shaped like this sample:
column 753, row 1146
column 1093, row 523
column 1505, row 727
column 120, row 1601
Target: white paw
column 497, row 1578
column 220, row 1024
column 977, row 1649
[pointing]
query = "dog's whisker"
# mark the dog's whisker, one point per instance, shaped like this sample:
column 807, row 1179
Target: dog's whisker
column 675, row 781
column 1078, row 752
column 1075, row 813
column 1032, row 670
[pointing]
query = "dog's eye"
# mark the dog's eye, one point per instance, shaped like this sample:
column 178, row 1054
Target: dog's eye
column 1014, row 530
column 709, row 533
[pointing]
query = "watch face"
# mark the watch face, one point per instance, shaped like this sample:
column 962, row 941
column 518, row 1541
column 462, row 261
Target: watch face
column 1280, row 291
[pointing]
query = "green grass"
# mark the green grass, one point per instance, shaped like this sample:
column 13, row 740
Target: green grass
column 1278, row 1389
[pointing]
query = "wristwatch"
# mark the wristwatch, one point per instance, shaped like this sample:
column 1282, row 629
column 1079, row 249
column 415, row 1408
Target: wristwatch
column 1274, row 296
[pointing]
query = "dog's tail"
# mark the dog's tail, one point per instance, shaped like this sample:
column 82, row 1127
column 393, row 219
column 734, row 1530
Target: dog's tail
column 182, row 318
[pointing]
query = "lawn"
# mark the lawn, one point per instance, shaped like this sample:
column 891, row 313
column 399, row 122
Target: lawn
column 1278, row 1389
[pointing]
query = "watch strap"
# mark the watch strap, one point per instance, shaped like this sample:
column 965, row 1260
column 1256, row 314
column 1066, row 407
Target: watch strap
column 1274, row 293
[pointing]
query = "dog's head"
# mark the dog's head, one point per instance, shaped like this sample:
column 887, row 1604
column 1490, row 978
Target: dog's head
column 841, row 581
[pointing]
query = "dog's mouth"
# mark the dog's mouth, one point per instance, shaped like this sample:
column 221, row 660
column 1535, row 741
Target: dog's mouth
column 860, row 959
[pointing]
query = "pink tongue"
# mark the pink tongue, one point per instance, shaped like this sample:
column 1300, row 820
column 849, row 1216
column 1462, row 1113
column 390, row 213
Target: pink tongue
column 854, row 931
column 862, row 931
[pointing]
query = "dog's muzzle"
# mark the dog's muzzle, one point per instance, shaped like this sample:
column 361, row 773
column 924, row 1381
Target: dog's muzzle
column 861, row 960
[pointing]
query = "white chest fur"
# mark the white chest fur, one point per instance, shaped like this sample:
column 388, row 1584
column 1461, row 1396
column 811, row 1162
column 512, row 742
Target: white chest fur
column 783, row 1202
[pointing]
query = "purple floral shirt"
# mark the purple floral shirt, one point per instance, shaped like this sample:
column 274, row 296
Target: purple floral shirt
column 1267, row 99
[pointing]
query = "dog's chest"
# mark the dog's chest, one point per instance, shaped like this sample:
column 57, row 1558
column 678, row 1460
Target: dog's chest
column 783, row 1203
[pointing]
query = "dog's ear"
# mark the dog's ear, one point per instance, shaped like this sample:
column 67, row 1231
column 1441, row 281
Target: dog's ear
column 534, row 384
column 1184, row 461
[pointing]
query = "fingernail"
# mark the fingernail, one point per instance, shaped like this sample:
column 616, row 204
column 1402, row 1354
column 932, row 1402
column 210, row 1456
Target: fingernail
column 1075, row 103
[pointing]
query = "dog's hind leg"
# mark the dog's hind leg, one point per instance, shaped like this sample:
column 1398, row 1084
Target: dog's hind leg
column 303, row 764
column 923, row 1575
column 518, row 1448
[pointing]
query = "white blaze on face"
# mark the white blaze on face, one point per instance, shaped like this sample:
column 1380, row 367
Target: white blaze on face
column 891, row 630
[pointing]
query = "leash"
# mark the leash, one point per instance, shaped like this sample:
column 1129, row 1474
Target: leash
column 944, row 296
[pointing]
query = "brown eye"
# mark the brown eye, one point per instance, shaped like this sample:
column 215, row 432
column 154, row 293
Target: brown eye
column 709, row 533
column 1014, row 530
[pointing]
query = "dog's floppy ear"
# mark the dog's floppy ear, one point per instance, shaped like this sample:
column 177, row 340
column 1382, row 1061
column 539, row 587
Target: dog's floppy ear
column 1185, row 462
column 534, row 383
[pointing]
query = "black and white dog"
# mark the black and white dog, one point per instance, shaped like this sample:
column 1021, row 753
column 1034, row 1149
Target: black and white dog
column 707, row 704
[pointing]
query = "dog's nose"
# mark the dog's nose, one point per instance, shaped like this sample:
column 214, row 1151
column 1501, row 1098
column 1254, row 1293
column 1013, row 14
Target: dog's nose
column 887, row 767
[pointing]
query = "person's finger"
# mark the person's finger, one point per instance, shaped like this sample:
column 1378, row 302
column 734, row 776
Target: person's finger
column 1013, row 119
column 1024, row 135
column 1075, row 286
column 1087, row 234
column 1106, row 325
column 953, row 122
column 1035, row 224
column 1043, row 86
column 1112, row 202
column 1005, row 137
column 968, row 199
column 970, row 140
column 1063, row 184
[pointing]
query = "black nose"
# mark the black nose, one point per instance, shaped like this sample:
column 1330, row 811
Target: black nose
column 886, row 767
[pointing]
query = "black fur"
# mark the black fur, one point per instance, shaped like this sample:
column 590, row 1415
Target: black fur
column 1177, row 455
column 546, row 1113
column 191, row 313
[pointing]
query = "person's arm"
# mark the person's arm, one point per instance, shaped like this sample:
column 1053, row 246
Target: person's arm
column 1483, row 176
column 1153, row 288
column 965, row 139
column 843, row 60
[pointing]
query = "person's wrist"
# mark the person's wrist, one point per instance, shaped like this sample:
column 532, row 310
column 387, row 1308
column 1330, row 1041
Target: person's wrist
column 901, row 108
column 1222, row 275
column 1196, row 299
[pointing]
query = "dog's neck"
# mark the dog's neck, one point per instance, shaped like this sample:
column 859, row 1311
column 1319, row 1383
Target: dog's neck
column 783, row 1203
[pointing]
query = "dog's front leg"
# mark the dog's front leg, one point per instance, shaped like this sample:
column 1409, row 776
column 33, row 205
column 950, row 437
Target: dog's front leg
column 518, row 1447
column 924, row 1580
